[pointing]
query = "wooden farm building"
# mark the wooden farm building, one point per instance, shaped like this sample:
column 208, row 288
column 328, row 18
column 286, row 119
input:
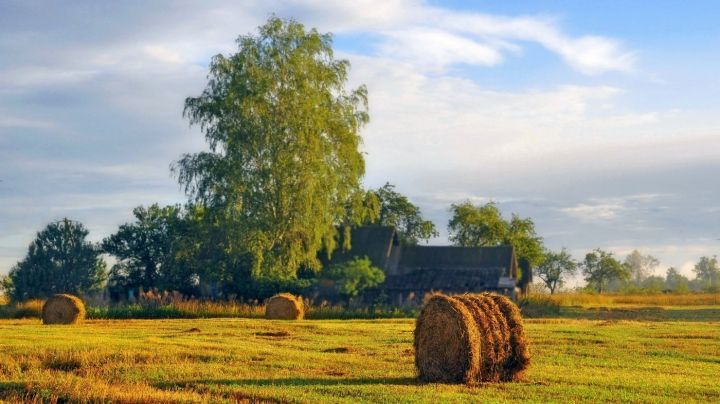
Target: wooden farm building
column 413, row 271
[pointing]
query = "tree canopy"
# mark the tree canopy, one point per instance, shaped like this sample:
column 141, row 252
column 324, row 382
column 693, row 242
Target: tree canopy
column 708, row 273
column 555, row 269
column 59, row 260
column 284, row 164
column 640, row 266
column 601, row 267
column 397, row 211
column 483, row 225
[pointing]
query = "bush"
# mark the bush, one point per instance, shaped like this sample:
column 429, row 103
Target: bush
column 355, row 276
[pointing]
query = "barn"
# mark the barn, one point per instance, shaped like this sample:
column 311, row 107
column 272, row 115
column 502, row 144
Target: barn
column 413, row 271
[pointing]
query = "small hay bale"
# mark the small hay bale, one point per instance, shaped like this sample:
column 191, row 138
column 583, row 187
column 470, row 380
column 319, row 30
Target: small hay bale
column 487, row 331
column 519, row 358
column 63, row 309
column 284, row 306
column 447, row 342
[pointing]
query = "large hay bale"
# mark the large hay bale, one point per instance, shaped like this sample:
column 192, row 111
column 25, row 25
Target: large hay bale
column 284, row 306
column 447, row 342
column 63, row 309
column 519, row 358
column 487, row 340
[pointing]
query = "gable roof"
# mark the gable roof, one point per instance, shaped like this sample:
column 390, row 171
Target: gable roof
column 374, row 242
column 414, row 258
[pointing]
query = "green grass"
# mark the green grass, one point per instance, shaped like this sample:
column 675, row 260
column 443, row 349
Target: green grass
column 670, row 358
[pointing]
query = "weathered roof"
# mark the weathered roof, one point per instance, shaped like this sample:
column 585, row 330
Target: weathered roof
column 452, row 280
column 374, row 242
column 415, row 258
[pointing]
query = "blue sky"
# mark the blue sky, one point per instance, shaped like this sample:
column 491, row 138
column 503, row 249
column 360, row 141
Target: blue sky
column 600, row 120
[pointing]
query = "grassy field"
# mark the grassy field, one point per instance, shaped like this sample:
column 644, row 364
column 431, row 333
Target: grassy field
column 596, row 357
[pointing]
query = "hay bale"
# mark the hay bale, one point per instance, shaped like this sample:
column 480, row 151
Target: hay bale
column 284, row 306
column 447, row 342
column 487, row 340
column 519, row 358
column 63, row 309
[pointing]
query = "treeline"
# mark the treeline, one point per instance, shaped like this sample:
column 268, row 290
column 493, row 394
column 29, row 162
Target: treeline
column 186, row 249
column 603, row 272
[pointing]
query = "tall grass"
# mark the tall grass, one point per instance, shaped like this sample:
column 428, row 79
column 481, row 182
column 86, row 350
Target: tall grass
column 662, row 299
column 28, row 309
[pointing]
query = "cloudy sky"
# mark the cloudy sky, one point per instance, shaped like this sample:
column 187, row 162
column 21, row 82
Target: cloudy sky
column 600, row 120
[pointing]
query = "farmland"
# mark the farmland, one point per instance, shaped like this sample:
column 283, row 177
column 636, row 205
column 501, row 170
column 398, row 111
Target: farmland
column 658, row 354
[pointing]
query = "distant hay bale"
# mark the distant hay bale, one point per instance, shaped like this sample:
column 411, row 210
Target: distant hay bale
column 284, row 306
column 447, row 342
column 519, row 358
column 63, row 309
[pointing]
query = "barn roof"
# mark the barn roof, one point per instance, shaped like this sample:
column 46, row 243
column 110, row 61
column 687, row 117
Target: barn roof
column 374, row 242
column 456, row 258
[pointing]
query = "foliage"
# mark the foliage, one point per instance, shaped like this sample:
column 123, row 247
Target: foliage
column 676, row 282
column 145, row 250
column 284, row 166
column 59, row 260
column 601, row 267
column 354, row 276
column 397, row 211
column 481, row 226
column 640, row 266
column 653, row 284
column 708, row 273
column 555, row 268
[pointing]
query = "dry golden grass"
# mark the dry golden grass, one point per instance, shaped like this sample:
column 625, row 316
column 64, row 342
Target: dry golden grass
column 664, row 299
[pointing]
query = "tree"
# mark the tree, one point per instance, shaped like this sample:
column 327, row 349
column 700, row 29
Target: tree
column 601, row 267
column 480, row 226
column 555, row 268
column 640, row 266
column 653, row 284
column 145, row 249
column 676, row 282
column 355, row 276
column 397, row 211
column 708, row 273
column 284, row 165
column 59, row 260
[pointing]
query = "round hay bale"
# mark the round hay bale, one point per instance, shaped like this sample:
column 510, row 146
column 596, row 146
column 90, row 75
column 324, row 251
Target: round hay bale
column 519, row 358
column 63, row 309
column 446, row 342
column 500, row 329
column 284, row 306
column 487, row 338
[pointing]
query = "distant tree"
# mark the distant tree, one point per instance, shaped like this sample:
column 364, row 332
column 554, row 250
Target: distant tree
column 481, row 226
column 355, row 276
column 676, row 282
column 640, row 266
column 555, row 269
column 653, row 284
column 145, row 249
column 59, row 260
column 708, row 273
column 397, row 211
column 284, row 164
column 601, row 267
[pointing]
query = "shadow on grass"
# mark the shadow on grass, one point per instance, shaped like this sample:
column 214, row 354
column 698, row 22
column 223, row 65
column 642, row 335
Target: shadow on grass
column 383, row 381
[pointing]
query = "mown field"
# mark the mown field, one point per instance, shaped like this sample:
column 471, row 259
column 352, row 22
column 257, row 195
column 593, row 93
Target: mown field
column 597, row 356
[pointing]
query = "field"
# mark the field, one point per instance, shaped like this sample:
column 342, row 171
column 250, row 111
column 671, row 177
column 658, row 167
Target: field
column 667, row 354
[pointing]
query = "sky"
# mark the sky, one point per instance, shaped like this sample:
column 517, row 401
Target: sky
column 599, row 120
